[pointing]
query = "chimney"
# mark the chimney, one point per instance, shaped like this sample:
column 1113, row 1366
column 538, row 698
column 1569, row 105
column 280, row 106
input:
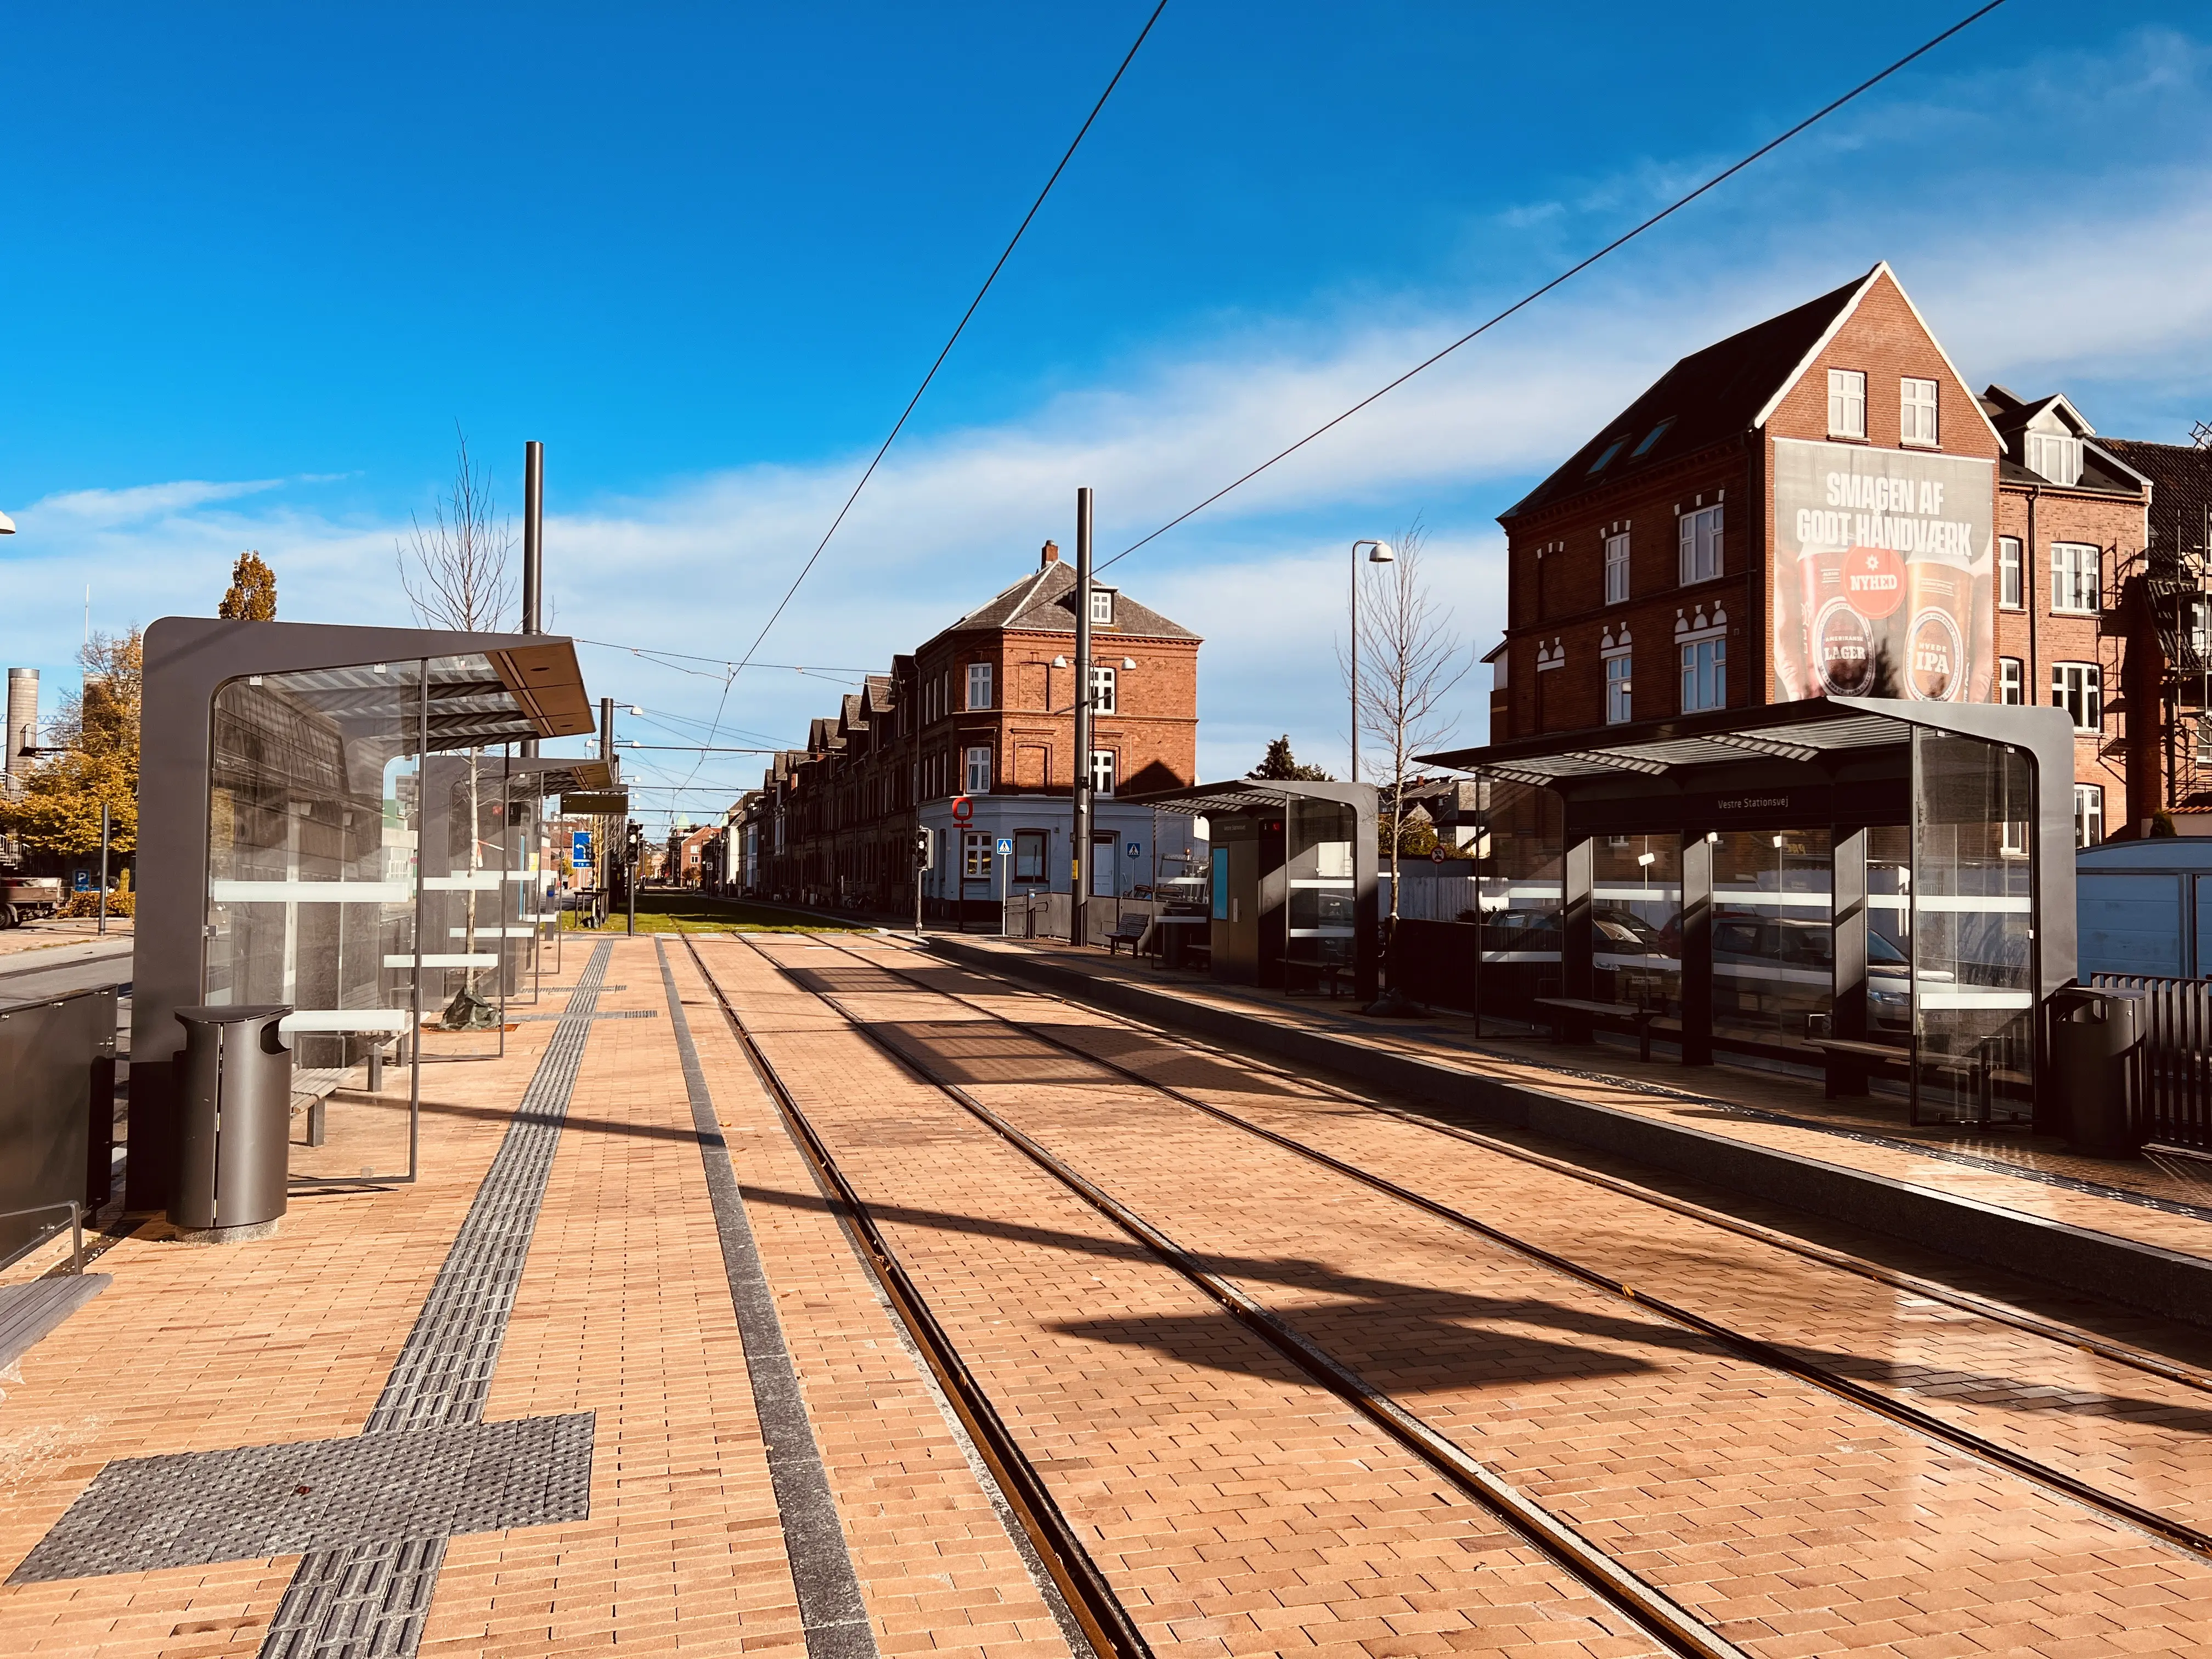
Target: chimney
column 1051, row 555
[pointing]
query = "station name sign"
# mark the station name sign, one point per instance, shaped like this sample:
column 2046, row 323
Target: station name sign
column 1882, row 574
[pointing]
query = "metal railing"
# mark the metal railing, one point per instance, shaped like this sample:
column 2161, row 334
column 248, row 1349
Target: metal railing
column 75, row 1226
column 2173, row 1077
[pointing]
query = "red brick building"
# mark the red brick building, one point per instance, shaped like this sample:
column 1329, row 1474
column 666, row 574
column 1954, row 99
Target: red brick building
column 1821, row 505
column 984, row 709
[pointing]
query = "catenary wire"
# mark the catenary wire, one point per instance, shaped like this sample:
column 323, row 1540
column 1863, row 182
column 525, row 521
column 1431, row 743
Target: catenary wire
column 1534, row 295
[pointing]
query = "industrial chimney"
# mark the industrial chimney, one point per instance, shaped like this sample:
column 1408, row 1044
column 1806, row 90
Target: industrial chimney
column 23, row 724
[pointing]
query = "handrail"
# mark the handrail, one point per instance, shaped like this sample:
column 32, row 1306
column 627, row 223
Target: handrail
column 76, row 1208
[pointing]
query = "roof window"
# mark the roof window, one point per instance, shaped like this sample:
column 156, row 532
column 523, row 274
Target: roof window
column 1610, row 451
column 1651, row 438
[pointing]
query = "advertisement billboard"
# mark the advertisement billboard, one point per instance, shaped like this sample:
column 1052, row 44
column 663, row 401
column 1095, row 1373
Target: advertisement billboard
column 1882, row 570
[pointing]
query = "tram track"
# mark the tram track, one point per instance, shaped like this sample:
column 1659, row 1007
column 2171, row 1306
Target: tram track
column 1650, row 1607
column 1995, row 1312
column 1753, row 1349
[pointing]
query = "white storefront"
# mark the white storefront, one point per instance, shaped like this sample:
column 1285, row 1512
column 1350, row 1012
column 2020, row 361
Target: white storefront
column 1134, row 847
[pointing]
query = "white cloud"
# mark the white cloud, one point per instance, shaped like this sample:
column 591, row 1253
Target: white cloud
column 135, row 504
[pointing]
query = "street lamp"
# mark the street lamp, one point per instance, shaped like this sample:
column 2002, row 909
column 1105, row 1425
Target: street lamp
column 7, row 524
column 1380, row 553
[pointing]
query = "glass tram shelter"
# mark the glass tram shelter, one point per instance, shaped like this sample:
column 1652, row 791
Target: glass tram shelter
column 1867, row 886
column 1293, row 879
column 332, row 818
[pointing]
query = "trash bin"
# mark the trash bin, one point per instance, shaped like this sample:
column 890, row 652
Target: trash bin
column 234, row 1119
column 2093, row 1038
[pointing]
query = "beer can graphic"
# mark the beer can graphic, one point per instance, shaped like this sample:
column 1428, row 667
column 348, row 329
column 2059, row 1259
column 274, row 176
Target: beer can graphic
column 1843, row 650
column 1848, row 591
column 1939, row 595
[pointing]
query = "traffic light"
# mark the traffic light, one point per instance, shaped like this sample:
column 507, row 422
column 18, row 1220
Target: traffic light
column 924, row 849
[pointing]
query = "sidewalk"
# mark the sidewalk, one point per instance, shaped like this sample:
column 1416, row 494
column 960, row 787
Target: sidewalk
column 1690, row 1118
column 510, row 1409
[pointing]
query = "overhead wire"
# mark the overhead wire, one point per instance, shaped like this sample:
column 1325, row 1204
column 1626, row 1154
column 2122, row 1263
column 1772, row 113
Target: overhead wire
column 959, row 328
column 1573, row 271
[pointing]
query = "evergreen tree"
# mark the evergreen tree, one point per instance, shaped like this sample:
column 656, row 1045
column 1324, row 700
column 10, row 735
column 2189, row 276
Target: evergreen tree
column 253, row 595
column 1280, row 762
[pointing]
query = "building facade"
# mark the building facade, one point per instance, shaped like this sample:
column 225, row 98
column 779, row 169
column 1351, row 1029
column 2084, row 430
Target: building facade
column 1820, row 505
column 972, row 736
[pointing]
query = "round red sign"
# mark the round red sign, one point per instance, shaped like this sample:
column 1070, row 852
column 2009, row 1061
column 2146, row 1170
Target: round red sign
column 1874, row 581
column 962, row 809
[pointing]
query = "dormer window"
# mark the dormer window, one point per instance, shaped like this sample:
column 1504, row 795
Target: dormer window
column 1650, row 438
column 2055, row 456
column 1101, row 606
column 1608, row 452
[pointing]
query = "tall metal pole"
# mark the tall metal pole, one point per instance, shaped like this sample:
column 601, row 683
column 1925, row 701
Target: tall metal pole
column 103, row 866
column 1079, row 866
column 533, row 548
column 604, row 875
column 1355, row 662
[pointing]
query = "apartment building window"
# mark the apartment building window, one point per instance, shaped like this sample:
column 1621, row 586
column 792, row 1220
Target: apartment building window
column 2076, row 578
column 975, row 855
column 1700, row 545
column 1846, row 403
column 2012, row 593
column 1618, row 700
column 1704, row 675
column 2012, row 681
column 979, row 685
column 2088, row 814
column 1032, row 850
column 1616, row 568
column 1916, row 423
column 979, row 771
column 2078, row 688
column 1102, row 690
column 1101, row 605
column 1101, row 772
column 2056, row 457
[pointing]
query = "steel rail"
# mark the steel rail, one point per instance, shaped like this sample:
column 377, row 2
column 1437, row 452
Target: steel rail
column 1757, row 1349
column 1655, row 1612
column 1105, row 1622
column 1842, row 1261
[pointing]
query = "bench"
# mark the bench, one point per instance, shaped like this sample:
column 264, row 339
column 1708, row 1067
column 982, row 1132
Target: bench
column 1129, row 931
column 1566, row 1008
column 1327, row 972
column 1849, row 1056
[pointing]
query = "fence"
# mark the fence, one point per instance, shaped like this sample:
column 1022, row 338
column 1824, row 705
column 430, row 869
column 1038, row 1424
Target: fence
column 2174, row 1064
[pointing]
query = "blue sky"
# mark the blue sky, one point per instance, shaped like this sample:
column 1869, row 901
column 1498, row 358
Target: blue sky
column 261, row 260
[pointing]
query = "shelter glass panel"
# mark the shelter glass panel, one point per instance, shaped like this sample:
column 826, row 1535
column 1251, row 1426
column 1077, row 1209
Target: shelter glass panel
column 1774, row 945
column 1636, row 920
column 1973, row 917
column 1317, row 869
column 1521, row 890
column 313, row 805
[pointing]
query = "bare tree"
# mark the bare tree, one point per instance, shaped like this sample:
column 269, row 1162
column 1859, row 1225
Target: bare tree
column 454, row 573
column 1410, row 660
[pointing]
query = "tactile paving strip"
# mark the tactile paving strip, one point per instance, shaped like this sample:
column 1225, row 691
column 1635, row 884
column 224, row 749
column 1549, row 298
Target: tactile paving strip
column 192, row 1509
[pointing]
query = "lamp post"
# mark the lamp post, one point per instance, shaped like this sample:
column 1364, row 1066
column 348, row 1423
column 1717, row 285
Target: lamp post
column 1380, row 553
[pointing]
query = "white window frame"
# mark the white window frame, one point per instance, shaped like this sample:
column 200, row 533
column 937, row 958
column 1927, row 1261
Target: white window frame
column 975, row 850
column 1616, row 568
column 2012, row 573
column 977, row 769
column 1847, row 409
column 2055, row 456
column 1916, row 412
column 979, row 685
column 1101, row 606
column 1699, row 537
column 1704, row 674
column 2012, row 681
column 2078, row 689
column 2088, row 814
column 2077, row 577
column 1620, row 687
column 1102, row 773
column 1101, row 689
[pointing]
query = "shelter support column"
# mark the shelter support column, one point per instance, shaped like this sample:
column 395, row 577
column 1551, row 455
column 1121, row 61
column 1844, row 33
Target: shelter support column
column 1848, row 885
column 1697, row 950
column 1577, row 970
column 1366, row 902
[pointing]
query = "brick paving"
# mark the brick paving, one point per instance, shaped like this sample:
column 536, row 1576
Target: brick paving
column 1796, row 1523
column 1235, row 1507
column 1535, row 1062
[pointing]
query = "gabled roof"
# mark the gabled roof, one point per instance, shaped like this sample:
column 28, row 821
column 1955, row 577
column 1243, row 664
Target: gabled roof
column 1729, row 388
column 2181, row 478
column 1044, row 602
column 2102, row 466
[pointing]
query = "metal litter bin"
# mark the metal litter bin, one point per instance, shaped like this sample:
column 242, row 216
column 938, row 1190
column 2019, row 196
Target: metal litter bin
column 234, row 1120
column 2095, row 1036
